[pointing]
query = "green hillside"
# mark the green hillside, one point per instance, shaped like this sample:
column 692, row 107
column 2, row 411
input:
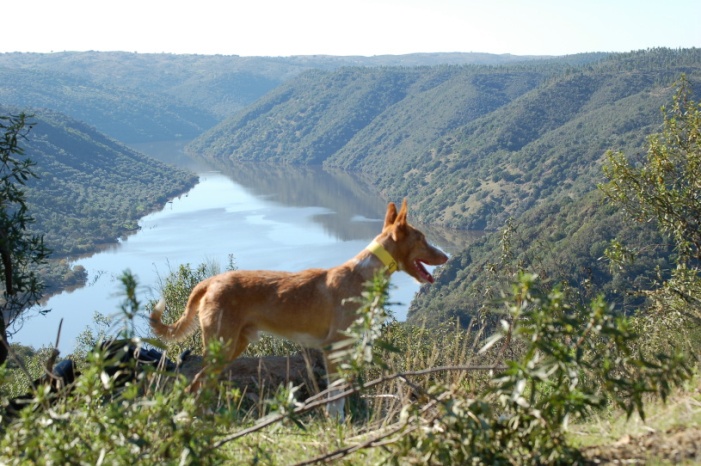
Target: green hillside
column 409, row 127
column 91, row 189
column 471, row 145
column 345, row 118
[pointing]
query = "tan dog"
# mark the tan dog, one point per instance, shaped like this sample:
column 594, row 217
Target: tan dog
column 310, row 307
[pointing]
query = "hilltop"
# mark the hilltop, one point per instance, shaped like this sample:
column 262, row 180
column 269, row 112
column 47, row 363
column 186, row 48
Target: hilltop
column 155, row 97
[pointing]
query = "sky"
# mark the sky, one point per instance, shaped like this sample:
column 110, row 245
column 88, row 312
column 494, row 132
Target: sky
column 349, row 27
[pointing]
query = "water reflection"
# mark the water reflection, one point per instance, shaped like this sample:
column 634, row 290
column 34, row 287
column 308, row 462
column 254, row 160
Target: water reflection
column 355, row 208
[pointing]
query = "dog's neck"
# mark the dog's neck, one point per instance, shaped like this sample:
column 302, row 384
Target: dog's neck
column 371, row 260
column 379, row 251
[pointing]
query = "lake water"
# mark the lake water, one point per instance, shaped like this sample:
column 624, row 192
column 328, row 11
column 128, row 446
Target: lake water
column 278, row 218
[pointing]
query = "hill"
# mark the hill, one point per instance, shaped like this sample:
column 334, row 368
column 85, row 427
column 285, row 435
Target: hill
column 91, row 189
column 470, row 143
column 155, row 97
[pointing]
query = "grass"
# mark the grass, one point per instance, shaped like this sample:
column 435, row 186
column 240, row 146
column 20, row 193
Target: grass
column 682, row 409
column 284, row 442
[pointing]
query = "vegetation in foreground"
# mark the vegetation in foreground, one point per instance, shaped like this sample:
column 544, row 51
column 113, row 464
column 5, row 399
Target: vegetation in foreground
column 505, row 399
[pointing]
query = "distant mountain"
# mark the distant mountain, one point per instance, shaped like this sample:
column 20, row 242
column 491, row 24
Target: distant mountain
column 151, row 97
column 128, row 114
column 472, row 145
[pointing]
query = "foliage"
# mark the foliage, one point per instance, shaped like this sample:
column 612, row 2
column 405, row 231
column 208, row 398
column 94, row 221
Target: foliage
column 102, row 419
column 574, row 362
column 20, row 250
column 663, row 189
column 105, row 417
column 570, row 361
column 665, row 186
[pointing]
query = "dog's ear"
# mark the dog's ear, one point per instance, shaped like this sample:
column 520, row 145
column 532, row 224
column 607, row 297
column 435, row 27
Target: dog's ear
column 401, row 216
column 390, row 216
column 399, row 227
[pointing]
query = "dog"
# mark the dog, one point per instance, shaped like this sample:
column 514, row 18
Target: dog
column 310, row 307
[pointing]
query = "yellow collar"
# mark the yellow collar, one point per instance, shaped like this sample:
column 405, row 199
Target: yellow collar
column 381, row 253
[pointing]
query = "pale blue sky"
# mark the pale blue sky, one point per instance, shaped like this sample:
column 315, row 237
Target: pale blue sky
column 356, row 27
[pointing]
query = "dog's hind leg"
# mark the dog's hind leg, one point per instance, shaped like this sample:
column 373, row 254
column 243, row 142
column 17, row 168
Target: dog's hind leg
column 232, row 348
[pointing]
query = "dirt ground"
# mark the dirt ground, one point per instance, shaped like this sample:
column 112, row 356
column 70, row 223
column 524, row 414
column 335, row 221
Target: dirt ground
column 678, row 445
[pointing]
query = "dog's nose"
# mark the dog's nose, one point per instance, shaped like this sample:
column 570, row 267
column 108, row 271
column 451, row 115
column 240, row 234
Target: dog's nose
column 439, row 256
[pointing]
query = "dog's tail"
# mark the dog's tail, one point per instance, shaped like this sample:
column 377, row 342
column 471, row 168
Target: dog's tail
column 183, row 326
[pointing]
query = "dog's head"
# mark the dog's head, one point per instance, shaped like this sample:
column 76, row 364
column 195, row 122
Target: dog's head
column 408, row 246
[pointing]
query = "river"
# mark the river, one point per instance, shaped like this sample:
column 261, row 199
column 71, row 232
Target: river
column 266, row 217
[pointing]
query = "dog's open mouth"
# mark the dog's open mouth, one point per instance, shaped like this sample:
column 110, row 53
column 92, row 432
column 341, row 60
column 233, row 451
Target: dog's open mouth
column 423, row 273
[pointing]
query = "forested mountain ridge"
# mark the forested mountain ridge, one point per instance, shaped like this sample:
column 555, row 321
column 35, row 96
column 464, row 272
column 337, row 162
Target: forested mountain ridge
column 128, row 114
column 562, row 227
column 91, row 190
column 471, row 145
column 342, row 118
column 154, row 97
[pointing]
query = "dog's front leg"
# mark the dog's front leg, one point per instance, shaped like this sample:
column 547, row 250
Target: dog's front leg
column 334, row 408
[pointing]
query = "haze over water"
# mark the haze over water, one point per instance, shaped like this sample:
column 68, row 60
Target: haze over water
column 278, row 218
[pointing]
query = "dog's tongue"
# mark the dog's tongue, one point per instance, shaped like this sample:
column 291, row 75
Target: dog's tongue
column 423, row 272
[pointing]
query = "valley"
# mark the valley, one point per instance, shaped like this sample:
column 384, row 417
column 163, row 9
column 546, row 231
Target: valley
column 564, row 188
column 471, row 142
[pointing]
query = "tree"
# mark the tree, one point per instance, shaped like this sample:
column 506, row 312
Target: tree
column 21, row 252
column 665, row 188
